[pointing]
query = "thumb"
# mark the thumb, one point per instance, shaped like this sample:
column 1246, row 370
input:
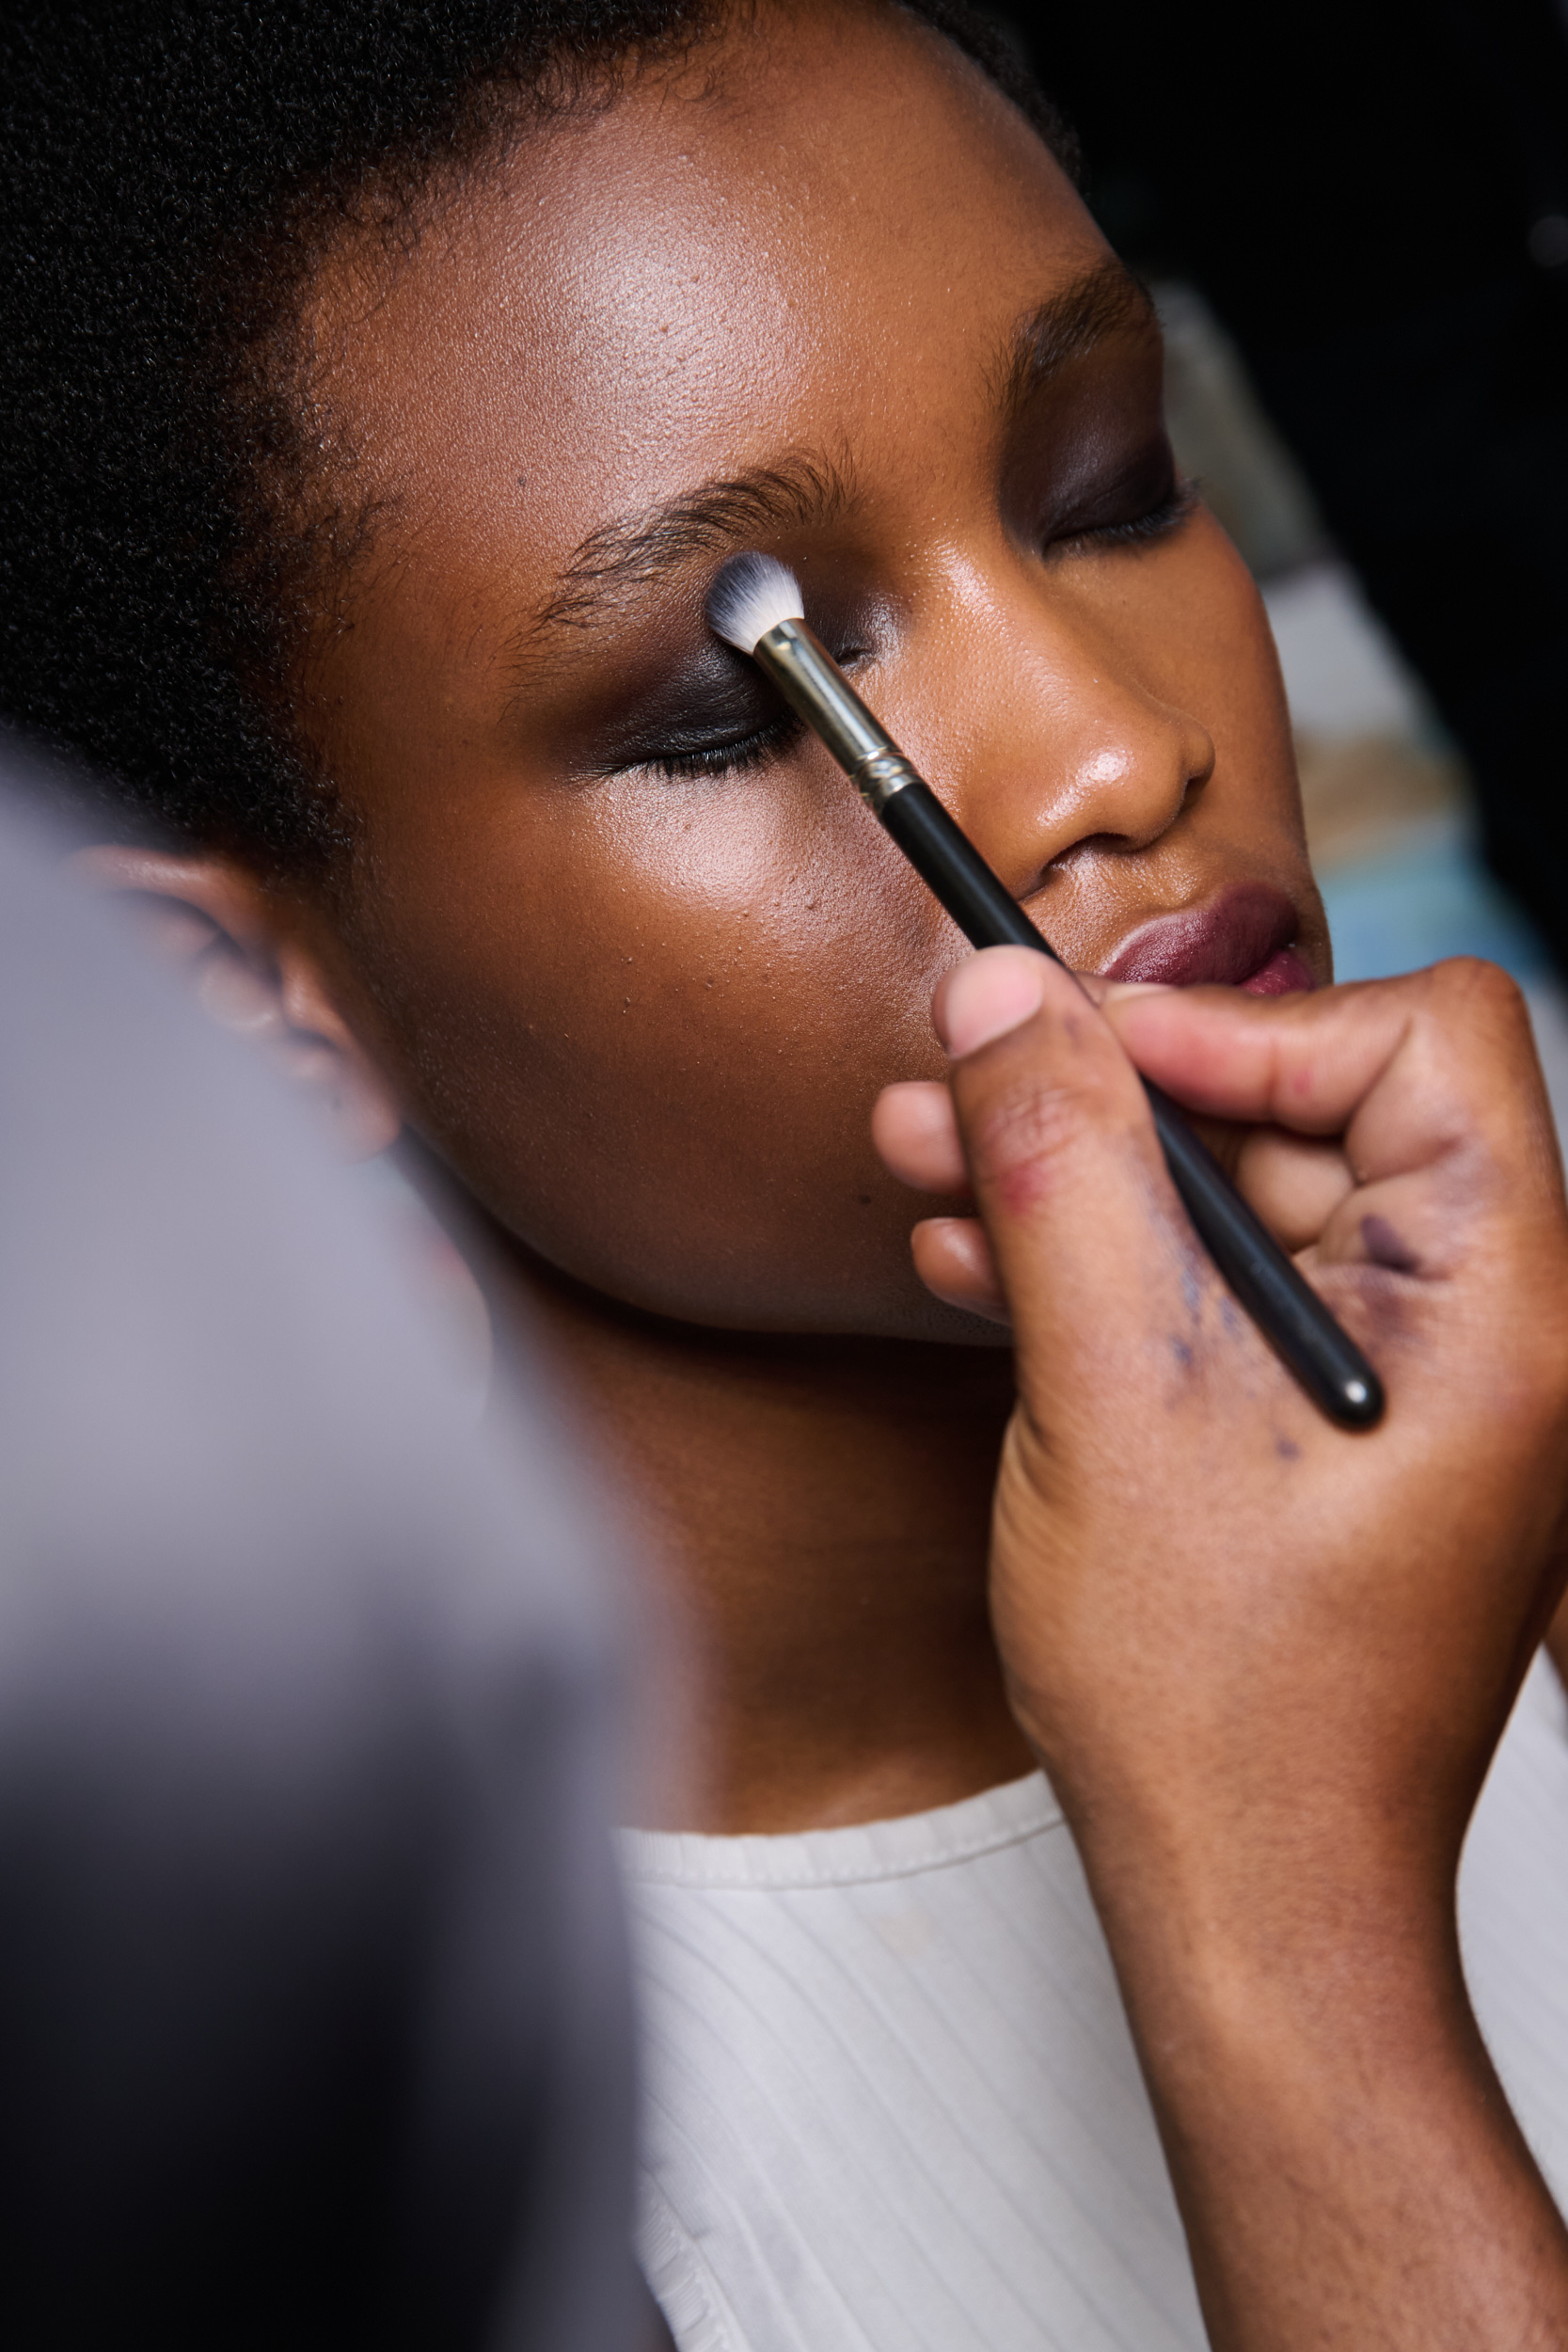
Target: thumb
column 1109, row 1289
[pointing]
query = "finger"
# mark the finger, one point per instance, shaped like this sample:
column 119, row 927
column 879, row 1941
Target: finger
column 992, row 993
column 953, row 1259
column 1108, row 1289
column 1412, row 1062
column 1433, row 1079
column 1295, row 1182
column 916, row 1136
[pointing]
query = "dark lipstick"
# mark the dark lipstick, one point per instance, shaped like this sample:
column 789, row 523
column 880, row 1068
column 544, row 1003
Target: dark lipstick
column 1246, row 938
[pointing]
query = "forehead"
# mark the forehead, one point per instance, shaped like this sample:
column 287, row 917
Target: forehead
column 819, row 229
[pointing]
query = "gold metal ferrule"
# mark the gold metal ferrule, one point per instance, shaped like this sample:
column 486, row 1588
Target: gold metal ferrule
column 879, row 778
column 813, row 684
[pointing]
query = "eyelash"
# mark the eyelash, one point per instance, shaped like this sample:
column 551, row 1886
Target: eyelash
column 733, row 759
column 772, row 741
column 1158, row 523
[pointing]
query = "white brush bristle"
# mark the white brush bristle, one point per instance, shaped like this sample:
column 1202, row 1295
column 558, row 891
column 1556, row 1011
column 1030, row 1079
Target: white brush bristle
column 751, row 595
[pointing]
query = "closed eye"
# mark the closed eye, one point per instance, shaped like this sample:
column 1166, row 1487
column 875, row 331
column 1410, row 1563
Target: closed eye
column 1157, row 522
column 1151, row 519
column 729, row 756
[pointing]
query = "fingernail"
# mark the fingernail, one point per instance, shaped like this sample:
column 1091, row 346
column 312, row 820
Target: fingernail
column 999, row 990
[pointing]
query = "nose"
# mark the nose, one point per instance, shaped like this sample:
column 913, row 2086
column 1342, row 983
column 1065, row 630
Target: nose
column 1059, row 744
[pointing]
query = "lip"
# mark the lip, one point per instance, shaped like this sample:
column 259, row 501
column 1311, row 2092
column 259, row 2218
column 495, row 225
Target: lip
column 1243, row 939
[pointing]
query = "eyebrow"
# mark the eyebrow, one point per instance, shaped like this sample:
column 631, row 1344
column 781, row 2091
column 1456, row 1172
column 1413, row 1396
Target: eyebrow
column 800, row 489
column 1106, row 302
column 810, row 487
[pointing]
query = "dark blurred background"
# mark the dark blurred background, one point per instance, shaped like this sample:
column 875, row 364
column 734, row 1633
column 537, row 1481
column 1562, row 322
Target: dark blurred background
column 1355, row 222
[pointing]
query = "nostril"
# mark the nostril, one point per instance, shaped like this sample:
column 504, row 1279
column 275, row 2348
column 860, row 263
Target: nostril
column 1092, row 845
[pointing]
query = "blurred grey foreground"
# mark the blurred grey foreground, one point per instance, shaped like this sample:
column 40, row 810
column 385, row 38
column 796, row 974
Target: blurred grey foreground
column 313, row 2010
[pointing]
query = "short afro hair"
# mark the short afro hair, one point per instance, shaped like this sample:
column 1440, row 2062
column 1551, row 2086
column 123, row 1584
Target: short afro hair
column 171, row 168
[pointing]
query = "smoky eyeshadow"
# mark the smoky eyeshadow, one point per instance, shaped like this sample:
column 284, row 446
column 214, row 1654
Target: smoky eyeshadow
column 706, row 694
column 1088, row 450
column 1107, row 492
column 710, row 696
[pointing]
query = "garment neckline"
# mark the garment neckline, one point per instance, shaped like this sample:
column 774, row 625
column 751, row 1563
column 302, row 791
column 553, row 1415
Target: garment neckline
column 852, row 1856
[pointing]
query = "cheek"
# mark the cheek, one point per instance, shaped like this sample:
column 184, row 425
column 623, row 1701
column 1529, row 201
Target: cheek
column 646, row 1026
column 1210, row 650
column 1225, row 647
column 1254, row 806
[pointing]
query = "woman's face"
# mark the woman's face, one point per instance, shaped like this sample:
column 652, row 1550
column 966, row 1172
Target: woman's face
column 634, row 954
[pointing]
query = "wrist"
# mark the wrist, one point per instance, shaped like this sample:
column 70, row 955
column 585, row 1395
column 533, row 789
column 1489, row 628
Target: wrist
column 1335, row 1996
column 1267, row 1908
column 1333, row 2128
column 1295, row 1981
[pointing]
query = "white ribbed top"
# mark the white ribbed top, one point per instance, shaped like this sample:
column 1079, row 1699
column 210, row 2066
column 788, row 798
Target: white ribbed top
column 892, row 2104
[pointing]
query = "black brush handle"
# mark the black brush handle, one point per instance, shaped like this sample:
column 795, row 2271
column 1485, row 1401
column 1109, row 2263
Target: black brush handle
column 1284, row 1306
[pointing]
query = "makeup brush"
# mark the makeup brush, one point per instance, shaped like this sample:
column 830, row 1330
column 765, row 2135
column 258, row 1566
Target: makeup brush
column 754, row 604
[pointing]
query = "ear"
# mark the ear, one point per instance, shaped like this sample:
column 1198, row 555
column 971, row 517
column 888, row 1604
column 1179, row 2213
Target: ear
column 251, row 965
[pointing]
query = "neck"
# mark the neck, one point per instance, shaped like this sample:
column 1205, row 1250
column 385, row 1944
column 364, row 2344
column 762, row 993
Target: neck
column 815, row 1515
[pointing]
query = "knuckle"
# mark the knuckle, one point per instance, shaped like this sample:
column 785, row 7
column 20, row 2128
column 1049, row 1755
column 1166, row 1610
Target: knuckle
column 1478, row 1042
column 1467, row 988
column 1022, row 1141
